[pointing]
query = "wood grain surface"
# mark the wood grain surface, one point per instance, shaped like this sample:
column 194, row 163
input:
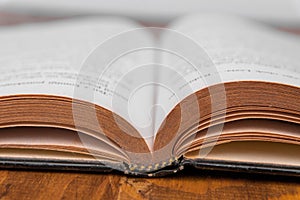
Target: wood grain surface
column 199, row 185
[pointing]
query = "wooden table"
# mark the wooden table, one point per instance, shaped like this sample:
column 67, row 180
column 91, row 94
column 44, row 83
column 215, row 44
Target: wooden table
column 188, row 185
column 200, row 185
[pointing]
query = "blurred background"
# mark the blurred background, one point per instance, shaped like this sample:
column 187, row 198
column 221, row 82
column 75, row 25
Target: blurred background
column 282, row 13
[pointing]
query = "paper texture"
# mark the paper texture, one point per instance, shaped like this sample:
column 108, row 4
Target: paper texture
column 47, row 58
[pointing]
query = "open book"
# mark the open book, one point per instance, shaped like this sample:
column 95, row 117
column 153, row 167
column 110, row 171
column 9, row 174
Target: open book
column 101, row 94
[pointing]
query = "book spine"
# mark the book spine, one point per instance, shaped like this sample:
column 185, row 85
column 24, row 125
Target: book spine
column 170, row 166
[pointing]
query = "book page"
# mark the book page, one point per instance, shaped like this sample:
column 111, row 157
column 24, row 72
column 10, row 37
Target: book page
column 58, row 58
column 229, row 49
